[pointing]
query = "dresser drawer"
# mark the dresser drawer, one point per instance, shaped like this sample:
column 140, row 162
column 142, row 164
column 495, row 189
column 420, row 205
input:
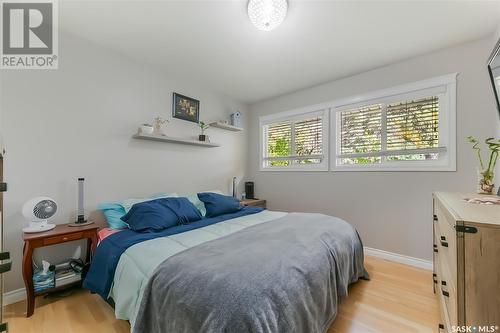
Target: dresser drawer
column 444, row 322
column 446, row 238
column 446, row 248
column 62, row 238
column 447, row 289
column 435, row 258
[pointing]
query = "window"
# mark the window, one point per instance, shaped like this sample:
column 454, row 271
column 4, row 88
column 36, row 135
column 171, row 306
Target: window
column 408, row 128
column 295, row 140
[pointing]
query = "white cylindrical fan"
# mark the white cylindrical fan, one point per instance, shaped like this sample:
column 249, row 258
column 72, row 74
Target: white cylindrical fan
column 37, row 211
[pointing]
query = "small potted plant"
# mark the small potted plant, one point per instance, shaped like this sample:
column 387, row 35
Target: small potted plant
column 486, row 171
column 203, row 126
column 158, row 125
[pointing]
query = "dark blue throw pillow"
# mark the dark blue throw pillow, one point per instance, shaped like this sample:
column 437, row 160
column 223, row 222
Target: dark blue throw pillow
column 186, row 211
column 161, row 214
column 218, row 204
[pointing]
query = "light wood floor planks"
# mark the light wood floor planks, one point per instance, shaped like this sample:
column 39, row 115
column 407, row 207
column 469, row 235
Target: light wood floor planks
column 397, row 299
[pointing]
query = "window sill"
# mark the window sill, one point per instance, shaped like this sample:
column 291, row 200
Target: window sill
column 399, row 168
column 304, row 169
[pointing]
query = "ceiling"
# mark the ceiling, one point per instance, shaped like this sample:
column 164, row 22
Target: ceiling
column 214, row 44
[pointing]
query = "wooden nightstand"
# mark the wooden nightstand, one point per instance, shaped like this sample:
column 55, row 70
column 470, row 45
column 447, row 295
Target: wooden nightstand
column 62, row 233
column 254, row 202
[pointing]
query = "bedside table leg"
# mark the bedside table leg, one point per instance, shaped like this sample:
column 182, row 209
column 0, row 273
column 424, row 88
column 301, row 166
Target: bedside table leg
column 88, row 255
column 91, row 246
column 28, row 278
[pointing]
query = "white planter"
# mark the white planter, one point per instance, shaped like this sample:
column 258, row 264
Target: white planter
column 146, row 129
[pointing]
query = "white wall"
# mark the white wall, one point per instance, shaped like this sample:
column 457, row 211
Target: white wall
column 77, row 121
column 391, row 210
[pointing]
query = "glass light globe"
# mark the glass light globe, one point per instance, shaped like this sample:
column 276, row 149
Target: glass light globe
column 267, row 14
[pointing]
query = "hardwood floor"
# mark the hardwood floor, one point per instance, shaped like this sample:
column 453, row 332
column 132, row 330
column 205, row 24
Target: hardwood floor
column 398, row 298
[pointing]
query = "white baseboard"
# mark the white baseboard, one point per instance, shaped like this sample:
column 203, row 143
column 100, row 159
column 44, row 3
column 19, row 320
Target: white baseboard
column 18, row 295
column 14, row 296
column 400, row 258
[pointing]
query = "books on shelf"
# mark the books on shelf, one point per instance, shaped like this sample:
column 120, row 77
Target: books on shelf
column 62, row 276
column 66, row 276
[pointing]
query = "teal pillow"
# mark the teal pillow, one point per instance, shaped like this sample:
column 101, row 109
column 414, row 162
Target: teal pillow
column 113, row 212
column 197, row 203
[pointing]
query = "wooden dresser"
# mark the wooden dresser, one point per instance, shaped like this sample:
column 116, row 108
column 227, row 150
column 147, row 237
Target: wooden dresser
column 466, row 262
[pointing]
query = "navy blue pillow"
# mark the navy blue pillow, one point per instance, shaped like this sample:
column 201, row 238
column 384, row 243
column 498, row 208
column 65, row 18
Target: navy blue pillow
column 185, row 210
column 160, row 214
column 218, row 204
column 150, row 215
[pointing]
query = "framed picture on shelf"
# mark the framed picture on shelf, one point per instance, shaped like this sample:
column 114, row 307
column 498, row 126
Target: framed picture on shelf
column 186, row 108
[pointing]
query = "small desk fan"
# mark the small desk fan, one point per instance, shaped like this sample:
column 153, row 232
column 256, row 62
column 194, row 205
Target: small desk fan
column 37, row 211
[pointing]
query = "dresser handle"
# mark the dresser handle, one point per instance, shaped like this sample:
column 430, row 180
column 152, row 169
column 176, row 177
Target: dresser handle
column 443, row 238
column 445, row 293
column 435, row 218
column 445, row 244
column 443, row 283
column 65, row 238
column 441, row 326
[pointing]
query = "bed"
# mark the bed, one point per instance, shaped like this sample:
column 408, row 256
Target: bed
column 263, row 271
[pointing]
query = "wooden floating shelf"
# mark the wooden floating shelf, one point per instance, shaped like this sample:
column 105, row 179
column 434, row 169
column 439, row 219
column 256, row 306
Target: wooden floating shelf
column 163, row 138
column 228, row 127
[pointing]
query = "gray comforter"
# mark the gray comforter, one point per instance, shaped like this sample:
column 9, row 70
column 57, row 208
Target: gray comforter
column 285, row 275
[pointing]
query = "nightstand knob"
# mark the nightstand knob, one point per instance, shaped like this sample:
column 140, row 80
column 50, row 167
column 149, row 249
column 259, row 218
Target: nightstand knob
column 65, row 238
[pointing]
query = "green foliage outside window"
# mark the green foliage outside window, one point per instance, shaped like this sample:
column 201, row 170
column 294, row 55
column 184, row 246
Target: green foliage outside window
column 307, row 141
column 280, row 148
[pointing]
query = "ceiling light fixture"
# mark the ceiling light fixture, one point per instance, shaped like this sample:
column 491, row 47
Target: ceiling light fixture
column 267, row 14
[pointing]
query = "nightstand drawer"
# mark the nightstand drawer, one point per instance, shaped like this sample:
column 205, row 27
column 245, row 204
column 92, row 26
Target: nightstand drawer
column 62, row 238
